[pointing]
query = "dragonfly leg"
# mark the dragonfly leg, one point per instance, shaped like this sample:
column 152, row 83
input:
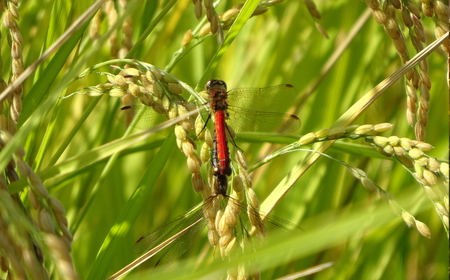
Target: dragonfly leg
column 204, row 127
column 232, row 140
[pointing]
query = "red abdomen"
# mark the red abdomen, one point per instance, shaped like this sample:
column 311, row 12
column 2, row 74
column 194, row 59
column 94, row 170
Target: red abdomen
column 222, row 145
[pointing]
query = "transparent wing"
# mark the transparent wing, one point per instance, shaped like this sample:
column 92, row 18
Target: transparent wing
column 246, row 120
column 141, row 117
column 183, row 242
column 260, row 109
column 269, row 99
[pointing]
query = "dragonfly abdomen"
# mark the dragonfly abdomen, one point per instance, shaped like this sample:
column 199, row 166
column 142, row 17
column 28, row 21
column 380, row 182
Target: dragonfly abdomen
column 223, row 154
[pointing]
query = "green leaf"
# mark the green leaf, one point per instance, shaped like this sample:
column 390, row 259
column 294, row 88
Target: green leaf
column 238, row 24
column 129, row 214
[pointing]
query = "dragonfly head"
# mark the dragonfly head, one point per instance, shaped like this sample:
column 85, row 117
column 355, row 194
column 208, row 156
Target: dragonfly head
column 213, row 86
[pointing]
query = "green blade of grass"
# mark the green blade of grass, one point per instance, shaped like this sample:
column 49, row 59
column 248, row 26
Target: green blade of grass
column 238, row 24
column 129, row 213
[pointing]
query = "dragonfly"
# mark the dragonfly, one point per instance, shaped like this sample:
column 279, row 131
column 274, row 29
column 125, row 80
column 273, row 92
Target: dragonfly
column 248, row 110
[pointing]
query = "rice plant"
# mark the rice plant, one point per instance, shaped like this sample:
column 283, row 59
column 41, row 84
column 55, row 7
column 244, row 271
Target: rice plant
column 359, row 191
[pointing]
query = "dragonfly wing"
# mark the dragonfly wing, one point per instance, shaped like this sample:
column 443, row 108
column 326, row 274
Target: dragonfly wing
column 246, row 120
column 270, row 99
column 160, row 234
column 141, row 117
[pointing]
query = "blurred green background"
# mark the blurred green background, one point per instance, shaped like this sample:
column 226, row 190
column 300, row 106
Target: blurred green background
column 280, row 46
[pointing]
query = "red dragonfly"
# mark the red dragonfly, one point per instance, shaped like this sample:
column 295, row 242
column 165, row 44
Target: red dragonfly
column 236, row 109
column 262, row 122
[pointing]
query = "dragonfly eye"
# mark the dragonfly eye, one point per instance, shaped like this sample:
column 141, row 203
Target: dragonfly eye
column 216, row 85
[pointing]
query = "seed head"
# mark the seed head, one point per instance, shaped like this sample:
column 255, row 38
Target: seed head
column 379, row 16
column 175, row 87
column 218, row 218
column 241, row 160
column 405, row 161
column 393, row 140
column 351, row 128
column 66, row 232
column 430, row 177
column 231, row 247
column 399, row 151
column 322, row 133
column 422, row 161
column 383, row 152
column 206, row 192
column 8, row 20
column 194, row 163
column 198, row 9
column 231, row 13
column 415, row 153
column 238, row 184
column 234, row 208
column 405, row 143
column 57, row 206
column 364, row 129
column 444, row 169
column 368, row 184
column 198, row 129
column 307, row 138
column 336, row 133
column 254, row 202
column 433, row 165
column 441, row 209
column 33, row 200
column 180, row 133
column 197, row 182
column 423, row 146
column 213, row 237
column 423, row 229
column 205, row 30
column 428, row 11
column 187, row 38
column 225, row 239
column 413, row 9
column 409, row 219
column 46, row 221
column 204, row 153
column 389, row 150
column 208, row 138
column 231, row 219
column 373, row 4
column 380, row 141
column 419, row 170
column 381, row 127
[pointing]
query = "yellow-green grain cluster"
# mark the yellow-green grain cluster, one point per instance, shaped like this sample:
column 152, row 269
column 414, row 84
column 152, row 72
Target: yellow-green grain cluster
column 432, row 173
column 417, row 79
column 225, row 20
column 27, row 242
column 352, row 132
column 439, row 11
column 211, row 15
column 312, row 8
column 407, row 217
column 10, row 15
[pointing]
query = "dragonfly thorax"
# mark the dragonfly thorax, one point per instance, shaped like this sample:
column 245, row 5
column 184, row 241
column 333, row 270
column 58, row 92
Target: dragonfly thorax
column 217, row 91
column 220, row 185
